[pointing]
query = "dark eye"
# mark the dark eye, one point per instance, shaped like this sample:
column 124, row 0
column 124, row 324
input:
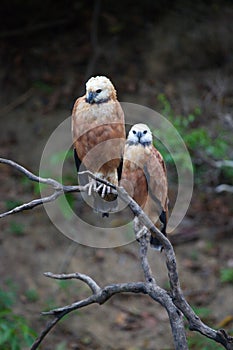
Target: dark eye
column 145, row 132
column 98, row 91
column 134, row 132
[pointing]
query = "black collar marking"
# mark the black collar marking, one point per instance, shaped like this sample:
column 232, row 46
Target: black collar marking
column 144, row 144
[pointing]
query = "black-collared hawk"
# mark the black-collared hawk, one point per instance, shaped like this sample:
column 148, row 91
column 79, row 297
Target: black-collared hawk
column 99, row 138
column 144, row 177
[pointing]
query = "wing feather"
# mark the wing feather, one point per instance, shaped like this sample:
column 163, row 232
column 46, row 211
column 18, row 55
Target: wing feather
column 156, row 174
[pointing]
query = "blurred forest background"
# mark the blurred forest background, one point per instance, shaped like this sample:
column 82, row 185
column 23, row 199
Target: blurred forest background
column 172, row 56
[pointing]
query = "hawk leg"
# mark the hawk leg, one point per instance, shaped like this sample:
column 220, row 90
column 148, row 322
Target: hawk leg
column 103, row 190
column 92, row 186
column 104, row 200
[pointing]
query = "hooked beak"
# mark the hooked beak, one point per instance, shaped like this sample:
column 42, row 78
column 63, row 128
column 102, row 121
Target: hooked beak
column 139, row 135
column 90, row 98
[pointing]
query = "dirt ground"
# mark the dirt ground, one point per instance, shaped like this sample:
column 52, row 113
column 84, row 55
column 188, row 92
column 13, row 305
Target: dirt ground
column 29, row 242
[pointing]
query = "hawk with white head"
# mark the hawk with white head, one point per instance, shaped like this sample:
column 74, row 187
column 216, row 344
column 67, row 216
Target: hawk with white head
column 144, row 177
column 99, row 137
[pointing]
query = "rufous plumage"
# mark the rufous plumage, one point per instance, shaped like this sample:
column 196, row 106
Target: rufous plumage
column 144, row 176
column 99, row 137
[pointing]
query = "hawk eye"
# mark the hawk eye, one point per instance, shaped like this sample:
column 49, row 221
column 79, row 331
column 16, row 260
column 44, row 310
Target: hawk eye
column 145, row 132
column 98, row 91
column 134, row 132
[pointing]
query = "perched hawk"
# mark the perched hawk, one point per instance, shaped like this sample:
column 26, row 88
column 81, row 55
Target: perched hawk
column 99, row 138
column 145, row 179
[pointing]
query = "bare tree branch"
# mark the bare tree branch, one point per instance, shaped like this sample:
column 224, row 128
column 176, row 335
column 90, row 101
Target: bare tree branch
column 59, row 189
column 79, row 276
column 100, row 296
column 224, row 188
column 144, row 261
column 174, row 301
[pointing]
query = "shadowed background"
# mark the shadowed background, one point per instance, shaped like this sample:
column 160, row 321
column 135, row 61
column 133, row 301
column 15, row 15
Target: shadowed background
column 172, row 56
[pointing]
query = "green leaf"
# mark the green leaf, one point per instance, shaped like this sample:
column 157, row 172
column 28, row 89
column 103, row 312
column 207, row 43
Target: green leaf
column 226, row 275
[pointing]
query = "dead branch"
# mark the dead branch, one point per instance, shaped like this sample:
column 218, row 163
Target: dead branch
column 101, row 295
column 174, row 302
column 79, row 276
column 59, row 189
column 224, row 188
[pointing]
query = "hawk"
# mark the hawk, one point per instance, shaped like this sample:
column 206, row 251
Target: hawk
column 144, row 177
column 99, row 138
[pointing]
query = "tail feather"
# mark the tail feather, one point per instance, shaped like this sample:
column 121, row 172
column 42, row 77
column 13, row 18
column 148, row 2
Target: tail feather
column 154, row 242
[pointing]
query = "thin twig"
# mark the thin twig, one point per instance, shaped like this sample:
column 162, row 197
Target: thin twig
column 32, row 204
column 224, row 188
column 30, row 175
column 45, row 331
column 100, row 297
column 59, row 189
column 79, row 276
column 175, row 302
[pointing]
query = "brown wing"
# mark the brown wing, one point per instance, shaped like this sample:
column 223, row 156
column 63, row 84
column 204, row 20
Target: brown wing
column 156, row 174
column 134, row 182
column 144, row 177
column 98, row 134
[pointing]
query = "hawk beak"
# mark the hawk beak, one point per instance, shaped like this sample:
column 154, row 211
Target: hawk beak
column 90, row 97
column 139, row 135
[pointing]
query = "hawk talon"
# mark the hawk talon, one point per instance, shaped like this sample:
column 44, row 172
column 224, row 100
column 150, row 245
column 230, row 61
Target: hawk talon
column 108, row 190
column 99, row 187
column 105, row 190
column 92, row 187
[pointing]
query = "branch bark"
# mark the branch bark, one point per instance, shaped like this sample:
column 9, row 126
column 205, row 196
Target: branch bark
column 174, row 302
column 58, row 188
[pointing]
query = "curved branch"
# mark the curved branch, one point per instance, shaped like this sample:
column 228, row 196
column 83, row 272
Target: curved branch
column 29, row 174
column 59, row 189
column 32, row 204
column 224, row 188
column 80, row 276
column 173, row 303
column 100, row 298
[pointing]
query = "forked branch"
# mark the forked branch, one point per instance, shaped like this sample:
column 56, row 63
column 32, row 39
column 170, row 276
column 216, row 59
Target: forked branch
column 174, row 302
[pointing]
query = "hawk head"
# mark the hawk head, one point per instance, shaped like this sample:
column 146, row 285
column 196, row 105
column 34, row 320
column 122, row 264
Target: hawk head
column 140, row 134
column 99, row 90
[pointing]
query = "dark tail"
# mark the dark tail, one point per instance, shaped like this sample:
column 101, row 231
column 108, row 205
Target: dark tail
column 154, row 242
